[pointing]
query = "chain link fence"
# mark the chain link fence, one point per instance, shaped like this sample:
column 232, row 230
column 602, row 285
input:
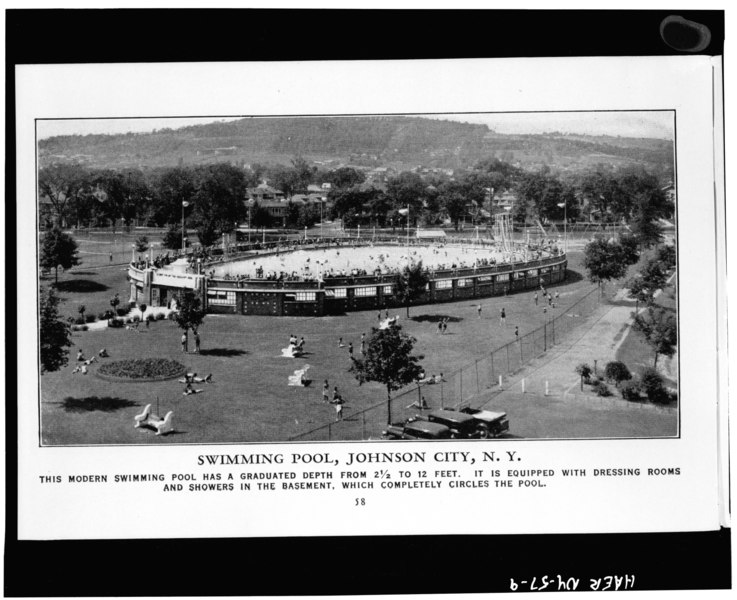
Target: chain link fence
column 460, row 386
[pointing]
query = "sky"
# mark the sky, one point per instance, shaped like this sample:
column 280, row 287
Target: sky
column 654, row 124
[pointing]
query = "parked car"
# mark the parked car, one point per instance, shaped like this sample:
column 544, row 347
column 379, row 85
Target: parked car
column 490, row 423
column 417, row 430
column 461, row 425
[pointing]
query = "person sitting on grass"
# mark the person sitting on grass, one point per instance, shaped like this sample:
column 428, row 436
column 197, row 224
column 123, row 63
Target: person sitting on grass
column 103, row 353
column 422, row 404
column 80, row 356
column 188, row 391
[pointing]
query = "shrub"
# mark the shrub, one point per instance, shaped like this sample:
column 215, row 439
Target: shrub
column 630, row 390
column 143, row 368
column 91, row 318
column 652, row 385
column 79, row 321
column 617, row 372
column 116, row 323
column 84, row 328
column 121, row 312
column 601, row 389
column 136, row 318
column 149, row 317
column 159, row 316
column 584, row 372
column 105, row 315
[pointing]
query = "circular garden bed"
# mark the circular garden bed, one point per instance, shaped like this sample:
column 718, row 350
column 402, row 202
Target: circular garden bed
column 141, row 369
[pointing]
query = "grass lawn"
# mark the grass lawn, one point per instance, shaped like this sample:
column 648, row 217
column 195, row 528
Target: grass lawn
column 249, row 400
column 637, row 354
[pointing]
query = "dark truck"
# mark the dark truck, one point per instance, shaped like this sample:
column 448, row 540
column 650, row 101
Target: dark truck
column 467, row 422
column 490, row 423
column 417, row 430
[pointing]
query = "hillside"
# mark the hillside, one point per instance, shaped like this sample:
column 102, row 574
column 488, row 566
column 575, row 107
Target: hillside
column 401, row 142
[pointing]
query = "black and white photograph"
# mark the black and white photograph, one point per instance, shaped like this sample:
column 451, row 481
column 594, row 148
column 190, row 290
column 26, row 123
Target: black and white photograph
column 338, row 278
column 434, row 302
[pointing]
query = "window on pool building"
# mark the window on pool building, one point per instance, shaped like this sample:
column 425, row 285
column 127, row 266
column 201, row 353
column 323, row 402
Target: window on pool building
column 365, row 291
column 306, row 296
column 387, row 290
column 443, row 284
column 221, row 297
column 464, row 283
column 340, row 292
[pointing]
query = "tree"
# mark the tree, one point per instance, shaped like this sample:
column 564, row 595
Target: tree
column 142, row 244
column 648, row 281
column 171, row 187
column 660, row 329
column 173, row 238
column 260, row 216
column 291, row 217
column 114, row 302
column 606, row 260
column 630, row 249
column 207, row 233
column 651, row 382
column 62, row 184
column 453, row 201
column 617, row 372
column 309, row 214
column 219, row 204
column 190, row 312
column 55, row 334
column 407, row 189
column 345, row 177
column 667, row 256
column 388, row 360
column 584, row 372
column 127, row 193
column 58, row 249
column 542, row 193
column 410, row 283
column 646, row 227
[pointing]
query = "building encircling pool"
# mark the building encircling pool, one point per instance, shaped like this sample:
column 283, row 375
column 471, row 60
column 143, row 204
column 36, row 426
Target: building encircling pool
column 329, row 277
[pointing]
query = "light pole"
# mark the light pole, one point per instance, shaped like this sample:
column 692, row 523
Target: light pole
column 184, row 204
column 564, row 206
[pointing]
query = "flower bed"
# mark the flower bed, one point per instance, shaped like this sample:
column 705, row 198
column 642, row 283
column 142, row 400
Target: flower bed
column 142, row 369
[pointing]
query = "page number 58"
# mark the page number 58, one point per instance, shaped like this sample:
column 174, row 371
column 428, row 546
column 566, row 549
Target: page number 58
column 360, row 502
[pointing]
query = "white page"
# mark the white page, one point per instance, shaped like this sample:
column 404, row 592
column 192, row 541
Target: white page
column 645, row 503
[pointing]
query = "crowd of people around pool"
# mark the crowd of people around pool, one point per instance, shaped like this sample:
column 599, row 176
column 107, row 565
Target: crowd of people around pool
column 377, row 261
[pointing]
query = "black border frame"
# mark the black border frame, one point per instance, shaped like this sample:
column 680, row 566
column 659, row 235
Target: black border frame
column 328, row 566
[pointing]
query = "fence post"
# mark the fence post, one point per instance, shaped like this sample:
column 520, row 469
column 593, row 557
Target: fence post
column 545, row 337
column 441, row 394
column 478, row 388
column 552, row 323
